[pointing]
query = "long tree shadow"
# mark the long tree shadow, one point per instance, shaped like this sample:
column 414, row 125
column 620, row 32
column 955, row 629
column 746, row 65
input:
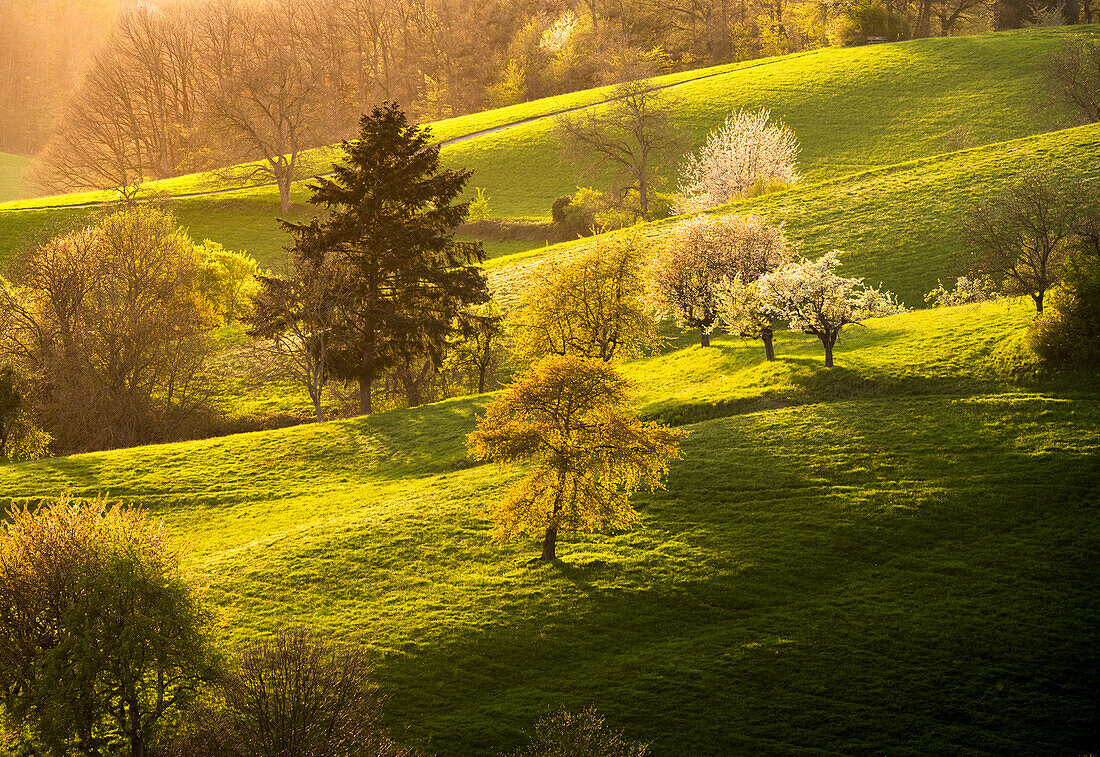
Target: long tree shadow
column 908, row 609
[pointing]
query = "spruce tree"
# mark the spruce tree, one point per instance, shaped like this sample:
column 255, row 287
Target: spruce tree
column 401, row 280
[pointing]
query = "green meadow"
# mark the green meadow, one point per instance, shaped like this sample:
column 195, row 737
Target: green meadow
column 895, row 556
column 898, row 555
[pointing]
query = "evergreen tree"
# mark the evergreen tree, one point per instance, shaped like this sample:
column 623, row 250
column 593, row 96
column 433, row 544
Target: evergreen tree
column 401, row 280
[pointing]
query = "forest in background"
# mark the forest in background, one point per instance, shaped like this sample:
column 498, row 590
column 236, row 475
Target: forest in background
column 158, row 89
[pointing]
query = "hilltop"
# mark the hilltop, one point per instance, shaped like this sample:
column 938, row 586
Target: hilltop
column 853, row 109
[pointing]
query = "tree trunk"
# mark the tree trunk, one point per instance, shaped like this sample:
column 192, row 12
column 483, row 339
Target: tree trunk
column 828, row 342
column 1038, row 302
column 481, row 379
column 769, row 351
column 137, row 746
column 366, row 379
column 549, row 545
column 704, row 337
column 284, row 192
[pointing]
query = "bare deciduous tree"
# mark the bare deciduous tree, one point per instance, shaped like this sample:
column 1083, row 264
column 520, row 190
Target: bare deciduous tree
column 626, row 136
column 1022, row 235
column 1073, row 76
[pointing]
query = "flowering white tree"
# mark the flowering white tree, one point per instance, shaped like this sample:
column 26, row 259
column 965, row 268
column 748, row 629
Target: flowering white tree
column 705, row 251
column 815, row 300
column 744, row 150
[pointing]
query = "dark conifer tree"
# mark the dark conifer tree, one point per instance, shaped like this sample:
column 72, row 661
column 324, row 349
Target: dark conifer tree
column 402, row 281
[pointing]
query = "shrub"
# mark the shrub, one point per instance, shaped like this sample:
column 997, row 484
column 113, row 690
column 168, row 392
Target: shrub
column 583, row 734
column 20, row 439
column 101, row 639
column 229, row 280
column 979, row 289
column 296, row 694
column 1067, row 335
column 479, row 207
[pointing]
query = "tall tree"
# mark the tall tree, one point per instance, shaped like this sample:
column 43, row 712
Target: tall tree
column 389, row 228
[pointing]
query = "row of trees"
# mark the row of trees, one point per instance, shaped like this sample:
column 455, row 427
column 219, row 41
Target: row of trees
column 180, row 86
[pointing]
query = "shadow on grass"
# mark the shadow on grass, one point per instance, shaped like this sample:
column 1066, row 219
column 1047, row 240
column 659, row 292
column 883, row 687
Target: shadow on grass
column 950, row 615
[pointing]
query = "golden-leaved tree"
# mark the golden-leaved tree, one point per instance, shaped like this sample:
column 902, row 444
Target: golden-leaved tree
column 588, row 452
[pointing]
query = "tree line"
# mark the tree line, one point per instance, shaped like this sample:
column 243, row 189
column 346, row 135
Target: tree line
column 183, row 86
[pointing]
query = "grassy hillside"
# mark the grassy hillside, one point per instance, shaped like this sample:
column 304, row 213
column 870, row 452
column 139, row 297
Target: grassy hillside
column 852, row 108
column 897, row 225
column 11, row 176
column 896, row 556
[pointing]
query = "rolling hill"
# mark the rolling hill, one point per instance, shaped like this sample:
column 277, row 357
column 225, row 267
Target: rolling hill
column 853, row 109
column 896, row 556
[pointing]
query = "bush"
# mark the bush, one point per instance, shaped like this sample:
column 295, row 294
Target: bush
column 583, row 734
column 296, row 694
column 966, row 291
column 20, row 439
column 101, row 639
column 229, row 280
column 1067, row 334
column 479, row 207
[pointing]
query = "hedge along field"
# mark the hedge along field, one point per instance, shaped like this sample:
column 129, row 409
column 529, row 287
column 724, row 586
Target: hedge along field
column 852, row 109
column 903, row 559
column 896, row 225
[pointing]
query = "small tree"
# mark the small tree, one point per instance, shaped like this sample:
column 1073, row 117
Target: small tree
column 297, row 315
column 756, row 248
column 1072, row 76
column 703, row 252
column 588, row 452
column 582, row 734
column 591, row 305
column 747, row 149
column 228, row 280
column 477, row 346
column 1022, row 235
column 100, row 637
column 815, row 300
column 626, row 135
column 295, row 694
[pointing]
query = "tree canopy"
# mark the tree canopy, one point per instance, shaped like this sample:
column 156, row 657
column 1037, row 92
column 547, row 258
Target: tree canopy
column 570, row 419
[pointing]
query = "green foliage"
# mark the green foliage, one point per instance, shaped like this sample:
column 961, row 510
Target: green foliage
column 479, row 206
column 592, row 305
column 569, row 417
column 20, row 439
column 1067, row 336
column 102, row 639
column 229, row 280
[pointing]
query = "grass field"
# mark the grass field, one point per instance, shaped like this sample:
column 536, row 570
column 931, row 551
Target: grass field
column 11, row 176
column 896, row 556
column 852, row 108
